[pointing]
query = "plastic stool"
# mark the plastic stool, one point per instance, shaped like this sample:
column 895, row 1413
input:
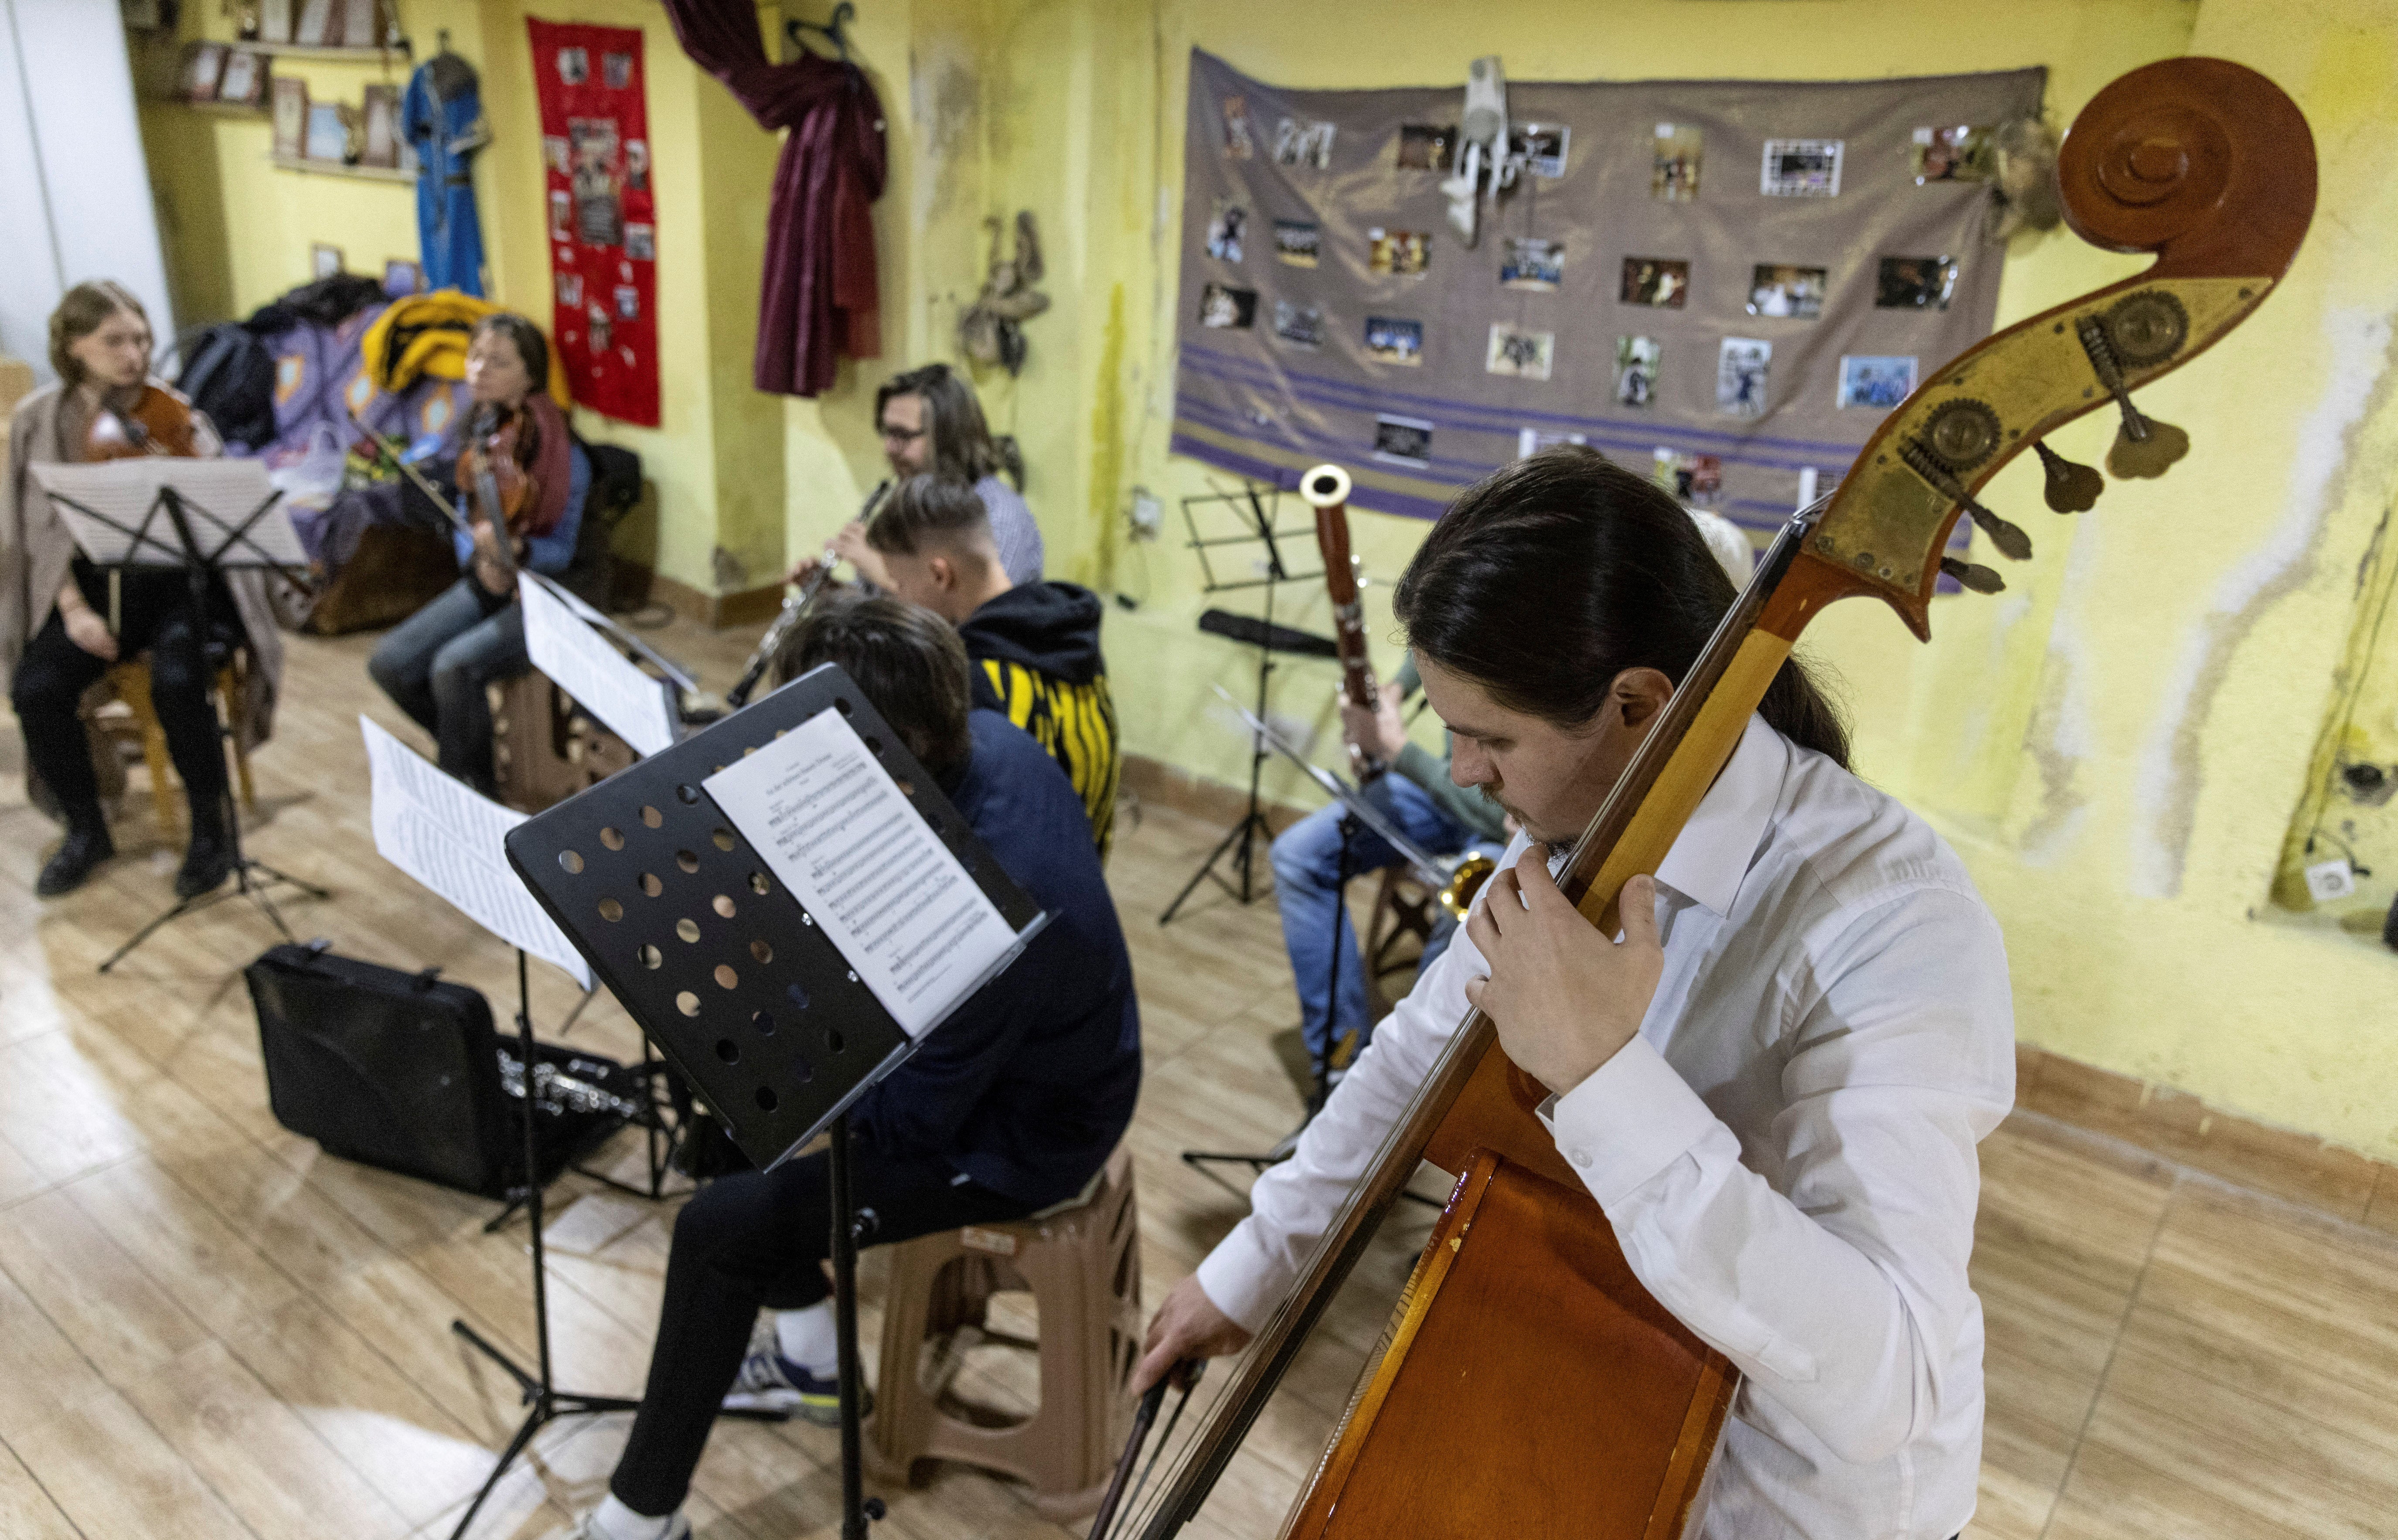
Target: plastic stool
column 1082, row 1263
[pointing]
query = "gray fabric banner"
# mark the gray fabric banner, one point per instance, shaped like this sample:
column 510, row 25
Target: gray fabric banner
column 1725, row 283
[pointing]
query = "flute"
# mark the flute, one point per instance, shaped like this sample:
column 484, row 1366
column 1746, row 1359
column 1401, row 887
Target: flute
column 794, row 605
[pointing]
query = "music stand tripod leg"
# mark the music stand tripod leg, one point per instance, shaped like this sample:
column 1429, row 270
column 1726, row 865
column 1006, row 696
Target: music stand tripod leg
column 857, row 1508
column 543, row 1401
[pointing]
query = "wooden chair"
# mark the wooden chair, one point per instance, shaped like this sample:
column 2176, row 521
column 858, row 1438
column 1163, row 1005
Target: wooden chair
column 544, row 748
column 129, row 682
column 1403, row 907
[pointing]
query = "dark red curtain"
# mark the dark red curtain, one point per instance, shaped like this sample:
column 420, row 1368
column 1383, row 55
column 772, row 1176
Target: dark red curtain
column 818, row 300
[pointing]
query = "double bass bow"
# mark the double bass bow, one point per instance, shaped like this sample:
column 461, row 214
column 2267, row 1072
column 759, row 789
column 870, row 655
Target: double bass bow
column 1464, row 1424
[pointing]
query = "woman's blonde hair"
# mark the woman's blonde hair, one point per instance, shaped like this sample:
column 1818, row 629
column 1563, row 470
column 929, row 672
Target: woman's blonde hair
column 81, row 311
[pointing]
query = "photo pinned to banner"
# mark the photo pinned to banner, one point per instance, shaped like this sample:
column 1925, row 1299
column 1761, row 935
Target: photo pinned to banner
column 1695, row 480
column 1393, row 339
column 1427, row 146
column 1532, row 263
column 1298, row 242
column 636, row 165
column 1661, row 282
column 616, row 70
column 1636, row 363
column 598, row 174
column 1532, row 440
column 1402, row 441
column 1307, row 144
column 1741, row 367
column 561, row 215
column 574, row 65
column 628, row 303
column 1962, row 153
column 1802, row 167
column 1914, row 283
column 1238, row 143
column 1300, row 325
column 1226, row 308
column 1526, row 355
column 641, row 242
column 1398, row 254
column 1877, row 381
column 569, row 290
column 1542, row 146
column 1786, row 292
column 1673, row 163
column 553, row 153
column 1226, row 226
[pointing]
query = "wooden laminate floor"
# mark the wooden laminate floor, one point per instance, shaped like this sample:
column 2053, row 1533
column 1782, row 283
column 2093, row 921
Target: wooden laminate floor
column 210, row 1329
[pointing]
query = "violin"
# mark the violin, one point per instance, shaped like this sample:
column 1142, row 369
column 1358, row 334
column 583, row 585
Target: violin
column 1470, row 1422
column 497, row 489
column 158, row 421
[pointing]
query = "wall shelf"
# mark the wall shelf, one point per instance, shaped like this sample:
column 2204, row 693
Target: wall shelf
column 217, row 109
column 399, row 51
column 335, row 168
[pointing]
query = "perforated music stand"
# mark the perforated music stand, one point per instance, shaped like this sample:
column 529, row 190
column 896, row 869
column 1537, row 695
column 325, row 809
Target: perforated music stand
column 727, row 970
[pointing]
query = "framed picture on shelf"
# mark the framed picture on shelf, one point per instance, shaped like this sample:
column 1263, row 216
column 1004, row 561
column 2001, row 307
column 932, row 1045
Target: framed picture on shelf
column 329, row 137
column 244, row 83
column 361, row 24
column 381, row 132
column 313, row 30
column 324, row 262
column 291, row 117
column 275, row 21
column 203, row 67
column 401, row 277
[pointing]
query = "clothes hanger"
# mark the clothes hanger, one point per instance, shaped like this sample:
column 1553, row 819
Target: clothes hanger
column 832, row 31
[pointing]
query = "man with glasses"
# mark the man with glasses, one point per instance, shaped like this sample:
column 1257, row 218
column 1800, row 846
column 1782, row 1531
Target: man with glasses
column 931, row 424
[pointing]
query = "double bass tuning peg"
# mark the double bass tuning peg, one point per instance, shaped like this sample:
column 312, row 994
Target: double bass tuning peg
column 2144, row 447
column 2070, row 488
column 1972, row 575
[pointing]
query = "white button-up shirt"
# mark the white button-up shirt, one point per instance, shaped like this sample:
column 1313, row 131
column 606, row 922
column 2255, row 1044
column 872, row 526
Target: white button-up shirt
column 1786, row 1152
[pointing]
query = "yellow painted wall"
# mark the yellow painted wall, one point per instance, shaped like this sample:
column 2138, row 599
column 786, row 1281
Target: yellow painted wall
column 2115, row 745
column 239, row 230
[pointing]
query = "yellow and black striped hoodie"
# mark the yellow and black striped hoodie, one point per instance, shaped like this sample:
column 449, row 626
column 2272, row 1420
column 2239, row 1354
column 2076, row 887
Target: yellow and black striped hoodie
column 1035, row 655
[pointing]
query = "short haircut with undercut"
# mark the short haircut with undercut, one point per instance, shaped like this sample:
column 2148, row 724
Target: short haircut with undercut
column 907, row 662
column 927, row 510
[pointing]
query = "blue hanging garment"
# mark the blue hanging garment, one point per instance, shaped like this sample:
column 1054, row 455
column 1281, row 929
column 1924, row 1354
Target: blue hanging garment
column 442, row 116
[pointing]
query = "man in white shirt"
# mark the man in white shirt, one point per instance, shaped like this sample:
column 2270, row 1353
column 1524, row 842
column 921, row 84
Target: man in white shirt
column 1773, row 1084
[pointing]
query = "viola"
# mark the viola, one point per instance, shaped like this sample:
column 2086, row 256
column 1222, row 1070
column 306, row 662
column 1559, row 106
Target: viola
column 1470, row 1423
column 158, row 421
column 498, row 491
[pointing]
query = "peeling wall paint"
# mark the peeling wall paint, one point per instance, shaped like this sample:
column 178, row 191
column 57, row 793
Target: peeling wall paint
column 2171, row 767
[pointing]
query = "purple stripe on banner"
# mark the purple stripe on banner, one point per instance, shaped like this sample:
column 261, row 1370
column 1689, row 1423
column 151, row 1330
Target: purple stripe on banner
column 1628, row 440
column 1267, row 375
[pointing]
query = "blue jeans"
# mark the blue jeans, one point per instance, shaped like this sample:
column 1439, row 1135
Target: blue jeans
column 434, row 666
column 1306, row 864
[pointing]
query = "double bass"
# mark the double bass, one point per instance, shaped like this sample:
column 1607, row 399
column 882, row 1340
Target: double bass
column 1527, row 1382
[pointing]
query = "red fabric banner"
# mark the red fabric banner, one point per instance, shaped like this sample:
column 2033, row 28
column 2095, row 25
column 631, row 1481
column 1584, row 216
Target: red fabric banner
column 603, row 243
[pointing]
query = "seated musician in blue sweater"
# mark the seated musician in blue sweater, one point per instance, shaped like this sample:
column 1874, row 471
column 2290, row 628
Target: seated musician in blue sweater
column 1009, row 1107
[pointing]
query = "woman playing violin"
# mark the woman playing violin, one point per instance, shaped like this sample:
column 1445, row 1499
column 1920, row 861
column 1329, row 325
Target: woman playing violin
column 521, row 479
column 63, row 622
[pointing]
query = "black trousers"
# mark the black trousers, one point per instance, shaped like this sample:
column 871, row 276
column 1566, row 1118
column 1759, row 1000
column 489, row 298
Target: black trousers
column 155, row 615
column 760, row 1239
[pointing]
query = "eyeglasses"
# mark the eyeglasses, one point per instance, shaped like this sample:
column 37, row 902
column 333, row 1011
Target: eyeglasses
column 902, row 435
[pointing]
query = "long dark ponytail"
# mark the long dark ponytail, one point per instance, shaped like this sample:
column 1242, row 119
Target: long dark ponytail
column 1556, row 574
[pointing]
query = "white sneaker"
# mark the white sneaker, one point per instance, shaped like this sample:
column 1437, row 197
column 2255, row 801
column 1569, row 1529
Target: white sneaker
column 770, row 1383
column 679, row 1529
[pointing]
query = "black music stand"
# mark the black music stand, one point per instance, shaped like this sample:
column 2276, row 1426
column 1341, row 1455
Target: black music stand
column 115, row 509
column 1356, row 813
column 1256, row 509
column 749, row 996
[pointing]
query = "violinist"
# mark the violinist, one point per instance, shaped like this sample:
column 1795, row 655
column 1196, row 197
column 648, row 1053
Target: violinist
column 1773, row 1083
column 523, row 478
column 65, row 622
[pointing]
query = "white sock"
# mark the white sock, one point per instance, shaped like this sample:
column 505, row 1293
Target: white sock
column 806, row 1337
column 614, row 1521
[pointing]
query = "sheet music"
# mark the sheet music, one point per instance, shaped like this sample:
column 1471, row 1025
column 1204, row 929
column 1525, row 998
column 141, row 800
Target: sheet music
column 583, row 664
column 887, row 892
column 220, row 496
column 440, row 832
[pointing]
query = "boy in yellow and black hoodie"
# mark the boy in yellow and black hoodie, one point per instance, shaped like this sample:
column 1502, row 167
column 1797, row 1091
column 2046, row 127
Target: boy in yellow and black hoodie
column 1034, row 646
